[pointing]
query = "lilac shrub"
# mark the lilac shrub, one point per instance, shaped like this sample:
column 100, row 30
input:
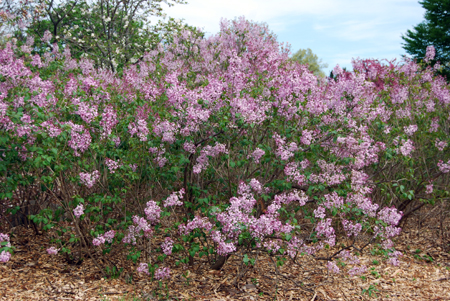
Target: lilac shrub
column 224, row 146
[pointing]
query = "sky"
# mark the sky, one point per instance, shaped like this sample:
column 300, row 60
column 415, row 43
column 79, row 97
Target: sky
column 335, row 30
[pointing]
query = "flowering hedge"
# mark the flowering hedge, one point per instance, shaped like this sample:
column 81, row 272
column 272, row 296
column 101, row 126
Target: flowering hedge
column 224, row 146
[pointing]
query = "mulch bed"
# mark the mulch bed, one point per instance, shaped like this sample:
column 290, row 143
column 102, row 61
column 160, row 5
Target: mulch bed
column 423, row 274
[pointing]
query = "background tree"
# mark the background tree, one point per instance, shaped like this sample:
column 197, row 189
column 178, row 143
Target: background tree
column 112, row 33
column 435, row 30
column 307, row 57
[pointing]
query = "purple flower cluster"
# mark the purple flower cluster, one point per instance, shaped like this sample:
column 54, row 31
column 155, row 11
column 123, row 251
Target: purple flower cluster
column 52, row 251
column 140, row 128
column 152, row 212
column 101, row 239
column 89, row 179
column 257, row 154
column 86, row 112
column 208, row 151
column 444, row 167
column 332, row 267
column 109, row 121
column 143, row 268
column 79, row 210
column 430, row 53
column 410, row 129
column 440, row 145
column 167, row 246
column 174, row 199
column 80, row 139
column 5, row 256
column 112, row 165
column 162, row 273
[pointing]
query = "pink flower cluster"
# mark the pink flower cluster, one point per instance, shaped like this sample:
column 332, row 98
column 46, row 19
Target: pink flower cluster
column 109, row 121
column 5, row 255
column 284, row 152
column 89, row 179
column 140, row 128
column 86, row 112
column 152, row 212
column 140, row 227
column 390, row 216
column 162, row 273
column 143, row 268
column 52, row 251
column 406, row 147
column 444, row 167
column 80, row 139
column 351, row 228
column 430, row 53
column 332, row 267
column 440, row 145
column 325, row 229
column 167, row 246
column 189, row 147
column 174, row 199
column 79, row 210
column 112, row 165
column 357, row 270
column 257, row 154
column 410, row 129
column 101, row 239
column 208, row 151
column 5, row 238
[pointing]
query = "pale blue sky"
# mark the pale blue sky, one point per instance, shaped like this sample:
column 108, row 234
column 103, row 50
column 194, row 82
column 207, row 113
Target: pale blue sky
column 336, row 30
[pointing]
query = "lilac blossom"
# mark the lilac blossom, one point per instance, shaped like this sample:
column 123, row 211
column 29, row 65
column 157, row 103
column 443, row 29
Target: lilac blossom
column 440, row 145
column 140, row 128
column 444, row 167
column 406, row 148
column 143, row 268
column 5, row 256
column 79, row 210
column 357, row 270
column 98, row 241
column 332, row 267
column 167, row 246
column 86, row 112
column 390, row 216
column 208, row 151
column 80, row 139
column 351, row 228
column 89, row 179
column 189, row 147
column 52, row 251
column 109, row 121
column 162, row 273
column 112, row 165
column 5, row 238
column 434, row 125
column 152, row 212
column 430, row 53
column 411, row 129
column 174, row 199
column 257, row 155
column 429, row 188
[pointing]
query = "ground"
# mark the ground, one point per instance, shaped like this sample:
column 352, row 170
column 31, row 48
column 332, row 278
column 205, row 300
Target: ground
column 423, row 274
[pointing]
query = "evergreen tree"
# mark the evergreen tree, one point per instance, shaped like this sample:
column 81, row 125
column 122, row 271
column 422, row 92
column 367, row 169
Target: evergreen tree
column 434, row 30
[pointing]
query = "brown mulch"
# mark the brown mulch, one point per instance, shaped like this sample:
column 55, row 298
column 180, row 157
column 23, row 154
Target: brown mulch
column 423, row 274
